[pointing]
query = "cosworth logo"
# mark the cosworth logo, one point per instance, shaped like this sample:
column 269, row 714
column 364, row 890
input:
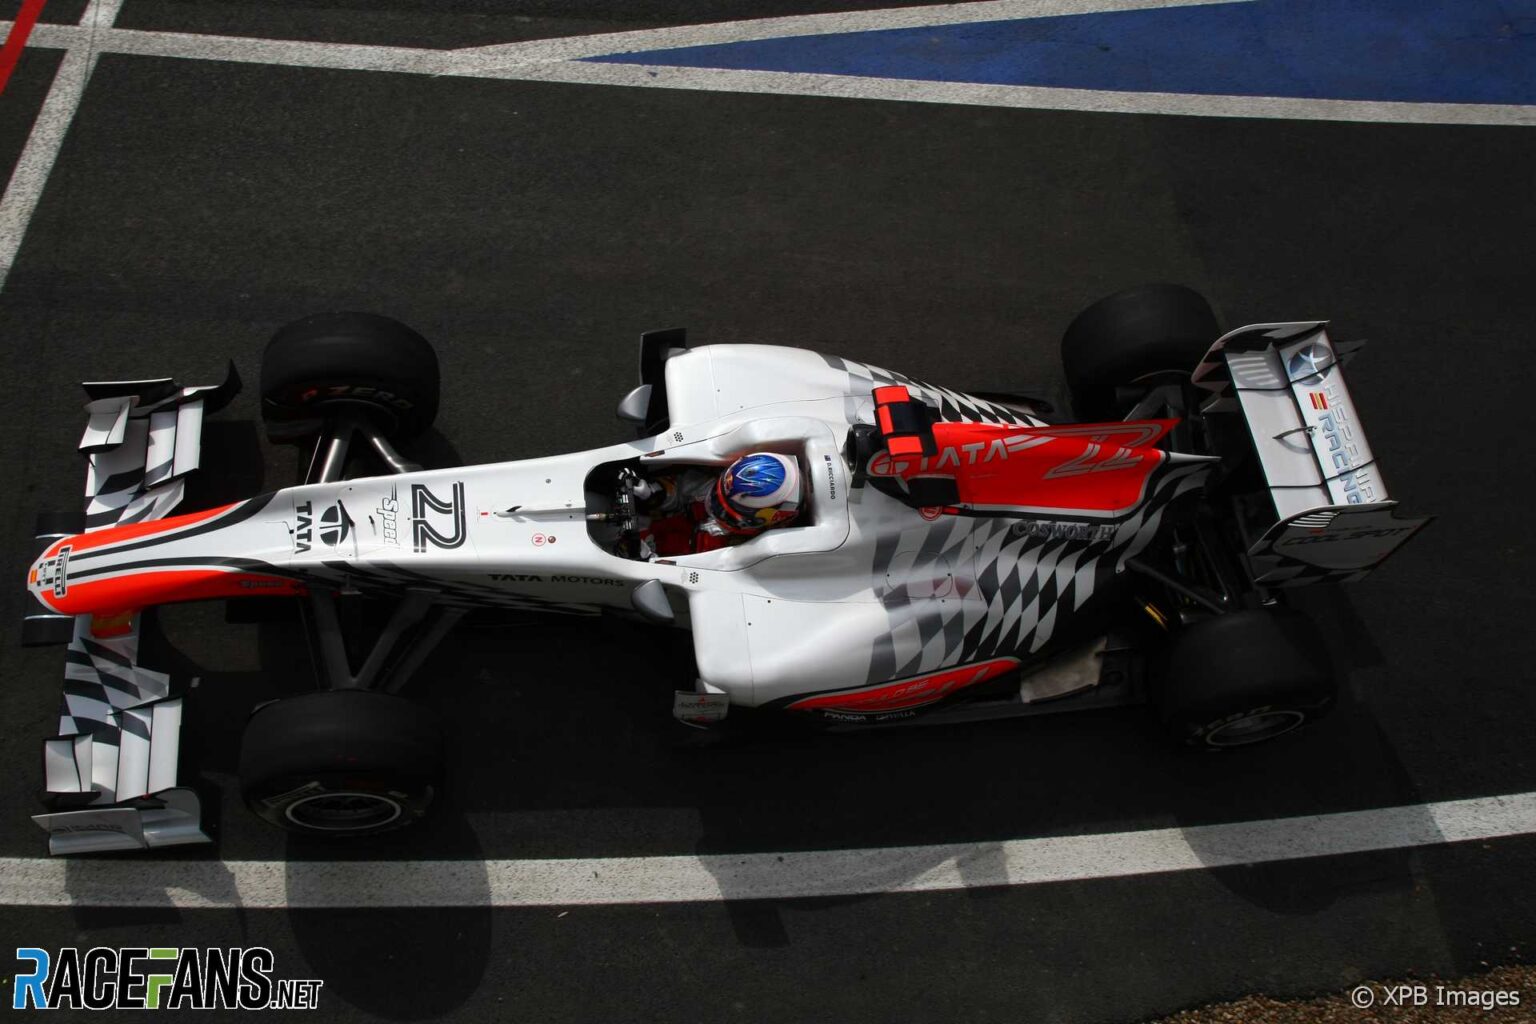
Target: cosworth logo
column 149, row 978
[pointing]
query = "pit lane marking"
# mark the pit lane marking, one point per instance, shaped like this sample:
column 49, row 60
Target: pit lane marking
column 207, row 884
column 835, row 23
column 52, row 122
column 560, row 60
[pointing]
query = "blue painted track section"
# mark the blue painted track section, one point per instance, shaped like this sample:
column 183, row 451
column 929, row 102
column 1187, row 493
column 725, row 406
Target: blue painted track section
column 1453, row 51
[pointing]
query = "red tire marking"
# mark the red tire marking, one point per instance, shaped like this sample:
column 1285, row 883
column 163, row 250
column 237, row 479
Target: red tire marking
column 21, row 28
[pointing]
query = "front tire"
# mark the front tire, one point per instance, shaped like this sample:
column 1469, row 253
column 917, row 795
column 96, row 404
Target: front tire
column 1132, row 335
column 341, row 763
column 359, row 362
column 1245, row 677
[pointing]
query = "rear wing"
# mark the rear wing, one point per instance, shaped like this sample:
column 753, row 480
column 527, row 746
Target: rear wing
column 112, row 772
column 1332, row 518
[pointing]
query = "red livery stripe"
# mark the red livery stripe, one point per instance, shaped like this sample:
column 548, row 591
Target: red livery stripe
column 906, row 694
column 133, row 531
column 165, row 586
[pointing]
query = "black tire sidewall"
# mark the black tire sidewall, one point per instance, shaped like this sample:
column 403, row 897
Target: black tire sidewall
column 1156, row 328
column 361, row 360
column 1240, row 664
column 341, row 741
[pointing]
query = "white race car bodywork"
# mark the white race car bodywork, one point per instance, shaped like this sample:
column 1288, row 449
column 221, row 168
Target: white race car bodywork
column 967, row 538
column 863, row 590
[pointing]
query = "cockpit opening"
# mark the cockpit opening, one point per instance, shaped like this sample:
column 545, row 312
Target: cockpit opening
column 646, row 512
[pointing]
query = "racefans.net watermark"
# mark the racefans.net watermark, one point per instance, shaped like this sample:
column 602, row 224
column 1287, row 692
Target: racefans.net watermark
column 1420, row 994
column 154, row 978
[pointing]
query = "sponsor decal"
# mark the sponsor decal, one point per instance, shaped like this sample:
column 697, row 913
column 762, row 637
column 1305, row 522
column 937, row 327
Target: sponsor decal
column 51, row 573
column 388, row 525
column 538, row 540
column 303, row 532
column 699, row 709
column 1340, row 450
column 1346, row 535
column 930, row 512
column 952, row 456
column 1319, row 400
column 379, row 395
column 61, row 576
column 335, row 525
column 529, row 577
column 449, row 515
column 838, row 716
column 831, row 478
column 155, row 978
column 1052, row 529
column 1304, row 362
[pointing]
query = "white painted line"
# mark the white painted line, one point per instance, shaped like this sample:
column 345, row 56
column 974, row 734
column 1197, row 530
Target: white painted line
column 573, row 47
column 1033, row 97
column 551, row 61
column 30, row 174
column 244, row 50
column 621, row 880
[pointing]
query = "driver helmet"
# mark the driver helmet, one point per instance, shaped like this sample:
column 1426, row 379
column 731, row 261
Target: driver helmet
column 755, row 492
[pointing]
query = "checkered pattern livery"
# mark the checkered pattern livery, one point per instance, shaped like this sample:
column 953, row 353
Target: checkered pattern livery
column 953, row 406
column 1019, row 585
column 103, row 686
column 142, row 436
column 139, row 478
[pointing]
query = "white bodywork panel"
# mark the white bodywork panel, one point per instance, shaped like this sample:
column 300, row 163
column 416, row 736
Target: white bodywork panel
column 861, row 590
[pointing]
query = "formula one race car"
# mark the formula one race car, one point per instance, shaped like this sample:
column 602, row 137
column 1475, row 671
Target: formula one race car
column 953, row 557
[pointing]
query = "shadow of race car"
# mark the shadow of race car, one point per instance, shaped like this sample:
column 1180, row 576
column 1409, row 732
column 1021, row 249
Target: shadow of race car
column 956, row 556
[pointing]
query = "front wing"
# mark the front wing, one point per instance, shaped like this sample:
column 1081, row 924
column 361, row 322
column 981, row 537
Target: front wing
column 112, row 771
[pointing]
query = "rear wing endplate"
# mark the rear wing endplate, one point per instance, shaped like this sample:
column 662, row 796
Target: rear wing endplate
column 1333, row 518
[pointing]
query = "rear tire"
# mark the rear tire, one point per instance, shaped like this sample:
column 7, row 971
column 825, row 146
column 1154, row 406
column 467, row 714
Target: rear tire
column 1245, row 677
column 341, row 763
column 348, row 361
column 1153, row 329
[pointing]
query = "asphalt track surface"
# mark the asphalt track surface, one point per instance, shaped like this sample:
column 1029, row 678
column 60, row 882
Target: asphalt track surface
column 533, row 230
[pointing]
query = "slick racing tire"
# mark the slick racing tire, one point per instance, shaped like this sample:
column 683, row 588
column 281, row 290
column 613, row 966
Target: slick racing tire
column 357, row 361
column 1131, row 335
column 1245, row 677
column 341, row 763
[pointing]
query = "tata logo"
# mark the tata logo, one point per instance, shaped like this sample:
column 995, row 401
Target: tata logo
column 304, row 531
column 335, row 525
column 975, row 453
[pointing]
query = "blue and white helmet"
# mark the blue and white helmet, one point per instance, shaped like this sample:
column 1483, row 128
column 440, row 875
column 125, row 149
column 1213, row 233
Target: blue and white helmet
column 755, row 492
